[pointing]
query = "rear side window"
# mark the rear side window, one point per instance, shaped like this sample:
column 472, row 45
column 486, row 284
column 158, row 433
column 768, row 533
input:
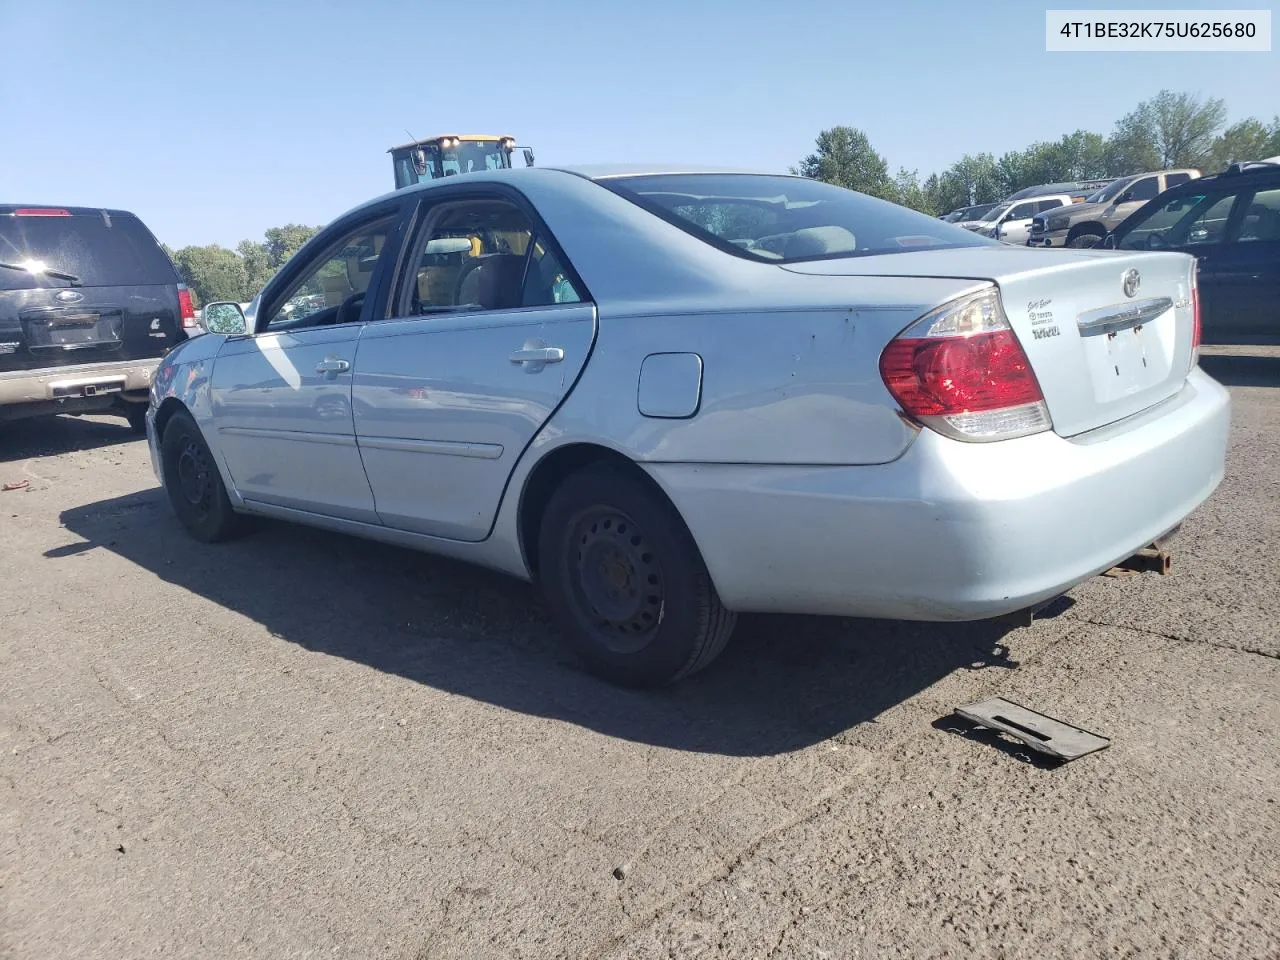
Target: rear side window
column 1174, row 179
column 786, row 219
column 1050, row 204
column 100, row 249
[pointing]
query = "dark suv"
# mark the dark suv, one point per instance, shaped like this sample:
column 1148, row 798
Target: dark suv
column 89, row 303
column 1230, row 223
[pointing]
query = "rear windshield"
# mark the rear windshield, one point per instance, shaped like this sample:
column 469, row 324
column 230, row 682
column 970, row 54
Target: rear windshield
column 98, row 249
column 787, row 219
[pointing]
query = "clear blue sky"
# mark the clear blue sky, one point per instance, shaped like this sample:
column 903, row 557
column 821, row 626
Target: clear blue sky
column 214, row 120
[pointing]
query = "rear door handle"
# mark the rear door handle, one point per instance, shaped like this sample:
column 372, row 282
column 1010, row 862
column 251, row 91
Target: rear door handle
column 538, row 355
column 332, row 366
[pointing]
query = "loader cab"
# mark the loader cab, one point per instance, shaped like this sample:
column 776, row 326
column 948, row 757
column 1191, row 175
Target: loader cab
column 449, row 155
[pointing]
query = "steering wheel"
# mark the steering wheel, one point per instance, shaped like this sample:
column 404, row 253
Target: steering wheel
column 347, row 304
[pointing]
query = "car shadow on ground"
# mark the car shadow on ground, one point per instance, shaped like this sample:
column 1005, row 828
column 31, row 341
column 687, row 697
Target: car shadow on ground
column 783, row 683
column 50, row 436
column 1237, row 370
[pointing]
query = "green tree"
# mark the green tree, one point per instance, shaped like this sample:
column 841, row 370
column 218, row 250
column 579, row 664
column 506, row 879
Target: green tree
column 283, row 242
column 257, row 264
column 973, row 179
column 909, row 192
column 844, row 156
column 212, row 273
column 1169, row 130
column 1247, row 140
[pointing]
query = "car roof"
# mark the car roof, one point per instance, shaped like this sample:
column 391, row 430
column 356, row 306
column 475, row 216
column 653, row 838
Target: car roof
column 10, row 208
column 605, row 171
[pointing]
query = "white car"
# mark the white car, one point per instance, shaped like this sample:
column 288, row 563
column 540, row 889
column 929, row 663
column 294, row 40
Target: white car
column 1011, row 222
column 670, row 397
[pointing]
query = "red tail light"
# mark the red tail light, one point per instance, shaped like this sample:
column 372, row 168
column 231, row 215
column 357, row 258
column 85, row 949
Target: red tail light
column 962, row 371
column 40, row 212
column 186, row 309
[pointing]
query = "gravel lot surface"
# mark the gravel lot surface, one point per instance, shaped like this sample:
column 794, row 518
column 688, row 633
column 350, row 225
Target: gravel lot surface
column 303, row 745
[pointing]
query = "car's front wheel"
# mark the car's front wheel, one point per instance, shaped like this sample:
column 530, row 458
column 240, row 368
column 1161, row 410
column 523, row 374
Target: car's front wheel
column 194, row 486
column 625, row 582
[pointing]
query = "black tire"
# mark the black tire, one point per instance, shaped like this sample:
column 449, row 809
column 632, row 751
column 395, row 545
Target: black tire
column 624, row 580
column 136, row 414
column 1082, row 241
column 193, row 483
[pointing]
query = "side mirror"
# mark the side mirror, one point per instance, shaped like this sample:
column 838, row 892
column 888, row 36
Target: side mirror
column 226, row 318
column 528, row 157
column 1109, row 242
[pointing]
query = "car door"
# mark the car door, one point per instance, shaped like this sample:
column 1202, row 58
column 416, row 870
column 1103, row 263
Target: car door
column 282, row 395
column 1246, row 274
column 1017, row 223
column 1132, row 198
column 488, row 332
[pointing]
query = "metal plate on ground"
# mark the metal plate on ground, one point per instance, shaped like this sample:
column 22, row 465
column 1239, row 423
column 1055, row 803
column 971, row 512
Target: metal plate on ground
column 1037, row 731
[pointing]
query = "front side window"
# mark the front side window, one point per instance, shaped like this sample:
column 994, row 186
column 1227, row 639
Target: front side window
column 1023, row 211
column 483, row 254
column 786, row 219
column 1188, row 220
column 332, row 288
column 1261, row 221
column 1144, row 190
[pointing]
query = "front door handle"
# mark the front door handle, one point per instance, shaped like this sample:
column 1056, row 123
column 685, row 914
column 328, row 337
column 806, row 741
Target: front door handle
column 332, row 366
column 535, row 355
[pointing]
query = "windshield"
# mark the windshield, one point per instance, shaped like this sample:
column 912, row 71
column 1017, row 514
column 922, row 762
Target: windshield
column 467, row 157
column 995, row 213
column 1111, row 192
column 786, row 219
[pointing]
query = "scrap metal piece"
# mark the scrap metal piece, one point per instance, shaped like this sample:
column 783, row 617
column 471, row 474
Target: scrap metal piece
column 1038, row 731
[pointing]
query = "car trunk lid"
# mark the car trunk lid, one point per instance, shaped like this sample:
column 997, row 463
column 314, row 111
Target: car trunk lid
column 1108, row 334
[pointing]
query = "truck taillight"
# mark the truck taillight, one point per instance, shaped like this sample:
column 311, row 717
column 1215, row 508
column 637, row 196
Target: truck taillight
column 961, row 371
column 186, row 310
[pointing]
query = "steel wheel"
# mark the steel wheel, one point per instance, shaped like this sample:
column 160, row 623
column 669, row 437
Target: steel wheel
column 617, row 578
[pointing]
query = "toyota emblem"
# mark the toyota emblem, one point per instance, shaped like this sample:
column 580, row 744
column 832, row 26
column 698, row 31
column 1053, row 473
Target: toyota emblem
column 1132, row 280
column 68, row 296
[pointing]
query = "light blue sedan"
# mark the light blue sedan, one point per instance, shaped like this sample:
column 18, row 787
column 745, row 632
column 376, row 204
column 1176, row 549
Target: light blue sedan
column 669, row 397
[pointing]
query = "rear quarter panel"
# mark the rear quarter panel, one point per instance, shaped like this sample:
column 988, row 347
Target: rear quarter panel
column 778, row 385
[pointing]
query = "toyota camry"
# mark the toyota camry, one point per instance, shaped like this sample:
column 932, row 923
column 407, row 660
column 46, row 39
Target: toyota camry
column 672, row 396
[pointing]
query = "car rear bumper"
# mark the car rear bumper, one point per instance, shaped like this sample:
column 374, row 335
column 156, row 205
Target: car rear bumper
column 72, row 381
column 952, row 530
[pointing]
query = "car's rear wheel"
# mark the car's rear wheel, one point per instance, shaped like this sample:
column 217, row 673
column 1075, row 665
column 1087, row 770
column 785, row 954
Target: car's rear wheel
column 1084, row 240
column 193, row 483
column 625, row 582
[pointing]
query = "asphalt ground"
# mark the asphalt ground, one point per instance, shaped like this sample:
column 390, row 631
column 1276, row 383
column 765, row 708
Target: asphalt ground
column 303, row 745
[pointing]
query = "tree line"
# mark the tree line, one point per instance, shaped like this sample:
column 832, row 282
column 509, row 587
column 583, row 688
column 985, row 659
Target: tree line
column 213, row 272
column 1169, row 130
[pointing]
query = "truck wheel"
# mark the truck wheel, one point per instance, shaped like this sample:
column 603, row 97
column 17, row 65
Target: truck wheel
column 194, row 486
column 1084, row 240
column 625, row 583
